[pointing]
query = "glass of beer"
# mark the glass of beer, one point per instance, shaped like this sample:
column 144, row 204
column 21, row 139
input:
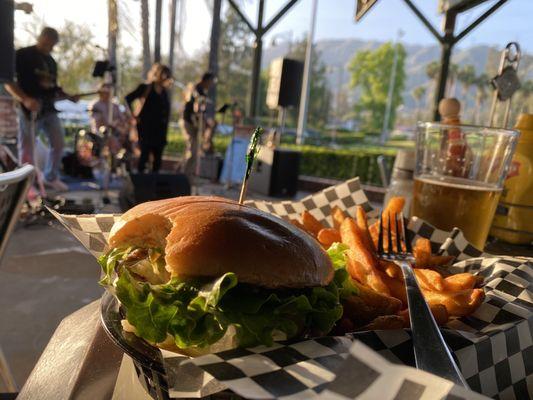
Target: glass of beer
column 459, row 176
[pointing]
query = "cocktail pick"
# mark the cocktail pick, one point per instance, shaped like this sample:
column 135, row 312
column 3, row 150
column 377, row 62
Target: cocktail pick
column 253, row 149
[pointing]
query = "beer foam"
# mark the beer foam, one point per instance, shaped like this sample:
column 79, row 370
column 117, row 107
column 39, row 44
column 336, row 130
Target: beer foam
column 458, row 183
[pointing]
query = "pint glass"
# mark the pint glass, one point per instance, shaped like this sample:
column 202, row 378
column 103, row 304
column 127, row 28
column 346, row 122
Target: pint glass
column 459, row 176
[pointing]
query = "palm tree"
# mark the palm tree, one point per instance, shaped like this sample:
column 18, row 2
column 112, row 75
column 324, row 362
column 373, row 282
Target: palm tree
column 526, row 90
column 145, row 26
column 432, row 72
column 481, row 83
column 452, row 79
column 466, row 76
column 418, row 93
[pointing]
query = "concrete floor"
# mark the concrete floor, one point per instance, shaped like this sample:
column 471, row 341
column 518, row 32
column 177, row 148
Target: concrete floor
column 46, row 275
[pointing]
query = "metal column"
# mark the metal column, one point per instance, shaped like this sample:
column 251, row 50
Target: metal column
column 256, row 68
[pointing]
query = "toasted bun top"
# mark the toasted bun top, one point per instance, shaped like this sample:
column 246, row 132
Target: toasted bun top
column 209, row 236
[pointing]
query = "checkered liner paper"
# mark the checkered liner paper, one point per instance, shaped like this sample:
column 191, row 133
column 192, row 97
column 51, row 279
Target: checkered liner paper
column 494, row 346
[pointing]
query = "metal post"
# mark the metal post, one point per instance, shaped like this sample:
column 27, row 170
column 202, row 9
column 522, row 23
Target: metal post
column 302, row 115
column 157, row 36
column 213, row 47
column 256, row 69
column 173, row 7
column 448, row 41
column 145, row 27
column 392, row 83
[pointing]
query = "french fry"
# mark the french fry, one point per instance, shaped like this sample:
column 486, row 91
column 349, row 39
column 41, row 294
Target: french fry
column 362, row 263
column 396, row 287
column 458, row 304
column 437, row 261
column 429, row 279
column 311, row 224
column 298, row 224
column 374, row 233
column 458, row 282
column 389, row 268
column 422, row 252
column 362, row 223
column 385, row 322
column 394, row 206
column 338, row 216
column 328, row 236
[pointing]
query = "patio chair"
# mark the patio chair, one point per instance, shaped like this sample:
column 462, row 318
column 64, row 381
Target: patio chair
column 13, row 188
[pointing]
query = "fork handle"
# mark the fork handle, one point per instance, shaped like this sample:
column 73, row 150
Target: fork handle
column 430, row 349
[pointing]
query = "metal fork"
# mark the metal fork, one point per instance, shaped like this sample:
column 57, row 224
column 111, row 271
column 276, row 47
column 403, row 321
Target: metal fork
column 431, row 352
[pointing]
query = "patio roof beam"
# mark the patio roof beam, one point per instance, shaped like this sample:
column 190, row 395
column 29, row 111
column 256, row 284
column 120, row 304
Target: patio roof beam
column 243, row 17
column 478, row 21
column 279, row 15
column 259, row 31
column 424, row 20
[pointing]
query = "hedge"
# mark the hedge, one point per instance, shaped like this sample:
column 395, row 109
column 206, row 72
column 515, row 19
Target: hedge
column 319, row 161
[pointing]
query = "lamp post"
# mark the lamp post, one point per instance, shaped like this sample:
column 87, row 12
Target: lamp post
column 392, row 83
column 302, row 115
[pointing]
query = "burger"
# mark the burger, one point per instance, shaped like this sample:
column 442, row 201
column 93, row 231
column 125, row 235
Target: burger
column 200, row 274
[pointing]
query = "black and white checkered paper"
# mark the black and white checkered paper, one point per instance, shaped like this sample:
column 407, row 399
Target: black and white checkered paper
column 493, row 346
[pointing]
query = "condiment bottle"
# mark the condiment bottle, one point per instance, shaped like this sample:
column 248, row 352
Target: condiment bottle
column 402, row 183
column 456, row 154
column 513, row 222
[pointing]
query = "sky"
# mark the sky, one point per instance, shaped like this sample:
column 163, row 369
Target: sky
column 335, row 19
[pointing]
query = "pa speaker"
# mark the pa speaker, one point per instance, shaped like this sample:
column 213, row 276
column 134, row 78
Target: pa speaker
column 276, row 172
column 7, row 47
column 147, row 187
column 285, row 83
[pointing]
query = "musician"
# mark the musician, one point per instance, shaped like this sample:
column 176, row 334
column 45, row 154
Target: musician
column 36, row 90
column 197, row 109
column 152, row 115
column 117, row 127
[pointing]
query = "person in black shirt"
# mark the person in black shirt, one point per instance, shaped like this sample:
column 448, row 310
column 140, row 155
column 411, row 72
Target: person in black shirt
column 196, row 107
column 152, row 114
column 36, row 90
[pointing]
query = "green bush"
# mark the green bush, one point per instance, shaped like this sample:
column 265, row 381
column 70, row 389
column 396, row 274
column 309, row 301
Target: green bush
column 319, row 161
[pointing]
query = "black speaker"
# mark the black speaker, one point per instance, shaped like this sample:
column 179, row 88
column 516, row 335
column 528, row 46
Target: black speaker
column 7, row 46
column 147, row 187
column 276, row 172
column 285, row 83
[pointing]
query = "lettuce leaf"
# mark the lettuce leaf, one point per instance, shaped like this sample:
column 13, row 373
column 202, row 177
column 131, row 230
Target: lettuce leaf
column 337, row 254
column 198, row 312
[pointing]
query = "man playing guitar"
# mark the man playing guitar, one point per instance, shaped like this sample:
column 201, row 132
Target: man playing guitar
column 36, row 90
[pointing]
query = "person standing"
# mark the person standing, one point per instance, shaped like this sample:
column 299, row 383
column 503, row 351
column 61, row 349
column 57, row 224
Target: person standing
column 196, row 107
column 36, row 90
column 152, row 114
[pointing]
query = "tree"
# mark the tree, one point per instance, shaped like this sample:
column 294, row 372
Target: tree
column 432, row 72
column 418, row 93
column 526, row 90
column 466, row 76
column 145, row 28
column 371, row 71
column 75, row 57
column 453, row 72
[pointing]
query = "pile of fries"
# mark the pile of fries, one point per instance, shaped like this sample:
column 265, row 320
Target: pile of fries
column 382, row 302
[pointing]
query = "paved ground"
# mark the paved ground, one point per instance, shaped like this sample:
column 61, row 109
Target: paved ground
column 46, row 275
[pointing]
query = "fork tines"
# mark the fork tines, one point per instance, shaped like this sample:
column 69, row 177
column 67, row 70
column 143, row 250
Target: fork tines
column 395, row 222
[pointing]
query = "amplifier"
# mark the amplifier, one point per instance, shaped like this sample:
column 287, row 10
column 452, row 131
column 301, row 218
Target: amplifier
column 147, row 187
column 276, row 172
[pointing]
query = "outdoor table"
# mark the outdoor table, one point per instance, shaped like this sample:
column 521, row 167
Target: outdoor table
column 81, row 362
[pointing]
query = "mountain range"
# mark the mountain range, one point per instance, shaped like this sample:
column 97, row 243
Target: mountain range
column 337, row 53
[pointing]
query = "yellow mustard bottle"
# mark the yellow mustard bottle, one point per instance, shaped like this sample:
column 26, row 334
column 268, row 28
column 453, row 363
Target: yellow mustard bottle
column 513, row 222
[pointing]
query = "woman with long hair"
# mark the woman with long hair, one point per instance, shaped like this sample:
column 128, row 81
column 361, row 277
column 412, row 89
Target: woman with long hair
column 152, row 113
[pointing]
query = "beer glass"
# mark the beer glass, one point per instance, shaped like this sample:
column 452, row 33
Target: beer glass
column 459, row 176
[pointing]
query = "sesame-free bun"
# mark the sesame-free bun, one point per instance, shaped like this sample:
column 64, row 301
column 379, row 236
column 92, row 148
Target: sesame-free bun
column 209, row 236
